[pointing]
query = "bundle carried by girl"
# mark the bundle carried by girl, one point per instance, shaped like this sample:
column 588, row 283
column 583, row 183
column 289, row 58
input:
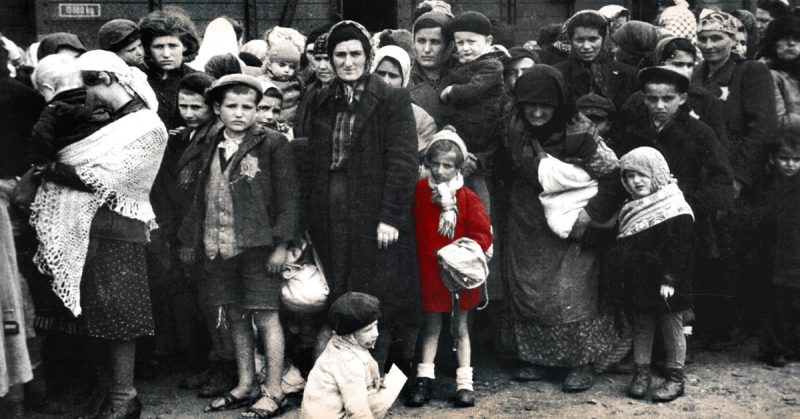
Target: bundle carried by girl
column 567, row 186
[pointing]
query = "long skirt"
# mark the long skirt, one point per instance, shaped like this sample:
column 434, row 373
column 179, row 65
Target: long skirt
column 115, row 297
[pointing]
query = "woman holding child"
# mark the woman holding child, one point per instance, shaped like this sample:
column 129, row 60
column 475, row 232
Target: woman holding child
column 92, row 239
column 358, row 181
column 558, row 318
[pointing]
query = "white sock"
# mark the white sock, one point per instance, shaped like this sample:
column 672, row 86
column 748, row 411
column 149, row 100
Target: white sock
column 425, row 371
column 464, row 378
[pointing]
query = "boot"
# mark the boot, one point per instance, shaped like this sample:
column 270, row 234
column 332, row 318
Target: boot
column 131, row 409
column 671, row 388
column 421, row 393
column 640, row 382
column 465, row 398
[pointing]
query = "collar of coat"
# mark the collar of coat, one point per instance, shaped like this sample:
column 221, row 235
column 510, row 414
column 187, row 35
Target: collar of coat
column 375, row 92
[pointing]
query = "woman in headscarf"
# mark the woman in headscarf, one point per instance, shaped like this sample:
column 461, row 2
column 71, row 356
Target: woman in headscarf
column 679, row 21
column 393, row 65
column 170, row 41
column 590, row 69
column 782, row 50
column 92, row 240
column 358, row 182
column 747, row 91
column 634, row 43
column 616, row 15
column 219, row 39
column 558, row 315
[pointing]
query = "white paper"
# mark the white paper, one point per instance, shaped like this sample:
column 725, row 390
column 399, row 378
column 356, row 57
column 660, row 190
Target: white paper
column 393, row 383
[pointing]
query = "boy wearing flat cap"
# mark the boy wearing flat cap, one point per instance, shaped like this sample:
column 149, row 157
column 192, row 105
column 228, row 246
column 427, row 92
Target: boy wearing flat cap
column 242, row 220
column 122, row 37
column 345, row 380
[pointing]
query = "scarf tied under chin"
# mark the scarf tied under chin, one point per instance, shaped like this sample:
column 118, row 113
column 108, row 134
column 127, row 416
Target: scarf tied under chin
column 444, row 195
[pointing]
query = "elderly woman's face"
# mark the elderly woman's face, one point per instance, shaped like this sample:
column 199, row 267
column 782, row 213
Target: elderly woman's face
column 587, row 43
column 741, row 43
column 390, row 73
column 788, row 48
column 167, row 52
column 538, row 114
column 762, row 20
column 322, row 66
column 716, row 46
column 349, row 60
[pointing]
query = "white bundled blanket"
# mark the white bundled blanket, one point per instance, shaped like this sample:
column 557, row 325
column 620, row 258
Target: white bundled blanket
column 567, row 188
column 119, row 162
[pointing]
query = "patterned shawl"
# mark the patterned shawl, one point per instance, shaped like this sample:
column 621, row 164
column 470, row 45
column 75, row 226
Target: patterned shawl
column 666, row 202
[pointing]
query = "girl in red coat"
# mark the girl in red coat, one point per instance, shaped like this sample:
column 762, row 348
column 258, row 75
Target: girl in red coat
column 444, row 211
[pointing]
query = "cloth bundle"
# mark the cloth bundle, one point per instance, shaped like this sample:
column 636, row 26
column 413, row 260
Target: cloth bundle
column 464, row 265
column 566, row 189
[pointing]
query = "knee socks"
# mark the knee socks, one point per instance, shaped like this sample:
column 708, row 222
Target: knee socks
column 425, row 371
column 464, row 378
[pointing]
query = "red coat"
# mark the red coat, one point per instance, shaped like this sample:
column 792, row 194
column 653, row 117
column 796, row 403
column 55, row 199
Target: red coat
column 473, row 222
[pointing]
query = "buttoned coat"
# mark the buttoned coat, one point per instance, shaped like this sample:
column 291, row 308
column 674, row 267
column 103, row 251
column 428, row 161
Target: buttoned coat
column 264, row 186
column 381, row 172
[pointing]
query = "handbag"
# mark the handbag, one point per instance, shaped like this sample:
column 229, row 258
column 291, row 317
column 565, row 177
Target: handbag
column 305, row 289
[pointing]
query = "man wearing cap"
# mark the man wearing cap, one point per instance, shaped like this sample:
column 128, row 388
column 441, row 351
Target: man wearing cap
column 345, row 381
column 122, row 37
column 598, row 109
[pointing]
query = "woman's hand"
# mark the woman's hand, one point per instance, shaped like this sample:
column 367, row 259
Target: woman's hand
column 470, row 165
column 387, row 235
column 666, row 291
column 277, row 259
column 186, row 255
column 579, row 228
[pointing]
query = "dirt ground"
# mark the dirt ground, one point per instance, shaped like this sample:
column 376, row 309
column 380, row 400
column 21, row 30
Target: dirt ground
column 731, row 384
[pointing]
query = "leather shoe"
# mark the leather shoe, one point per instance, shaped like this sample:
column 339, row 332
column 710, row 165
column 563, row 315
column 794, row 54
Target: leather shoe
column 221, row 381
column 640, row 382
column 132, row 409
column 465, row 398
column 579, row 379
column 671, row 388
column 421, row 393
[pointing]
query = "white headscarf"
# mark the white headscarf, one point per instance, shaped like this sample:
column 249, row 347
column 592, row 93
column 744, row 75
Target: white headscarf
column 399, row 55
column 131, row 78
column 219, row 39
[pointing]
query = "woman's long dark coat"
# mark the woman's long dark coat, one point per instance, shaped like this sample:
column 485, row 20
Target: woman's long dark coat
column 381, row 173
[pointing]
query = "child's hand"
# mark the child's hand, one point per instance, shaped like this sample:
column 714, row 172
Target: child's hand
column 667, row 291
column 277, row 259
column 176, row 131
column 445, row 93
column 470, row 165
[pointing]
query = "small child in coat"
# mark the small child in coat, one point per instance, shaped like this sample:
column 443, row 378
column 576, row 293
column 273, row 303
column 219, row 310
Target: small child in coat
column 474, row 97
column 780, row 334
column 280, row 69
column 444, row 211
column 653, row 258
column 345, row 381
column 269, row 110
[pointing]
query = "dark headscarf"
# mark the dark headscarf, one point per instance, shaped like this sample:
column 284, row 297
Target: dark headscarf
column 223, row 64
column 348, row 30
column 544, row 84
column 638, row 39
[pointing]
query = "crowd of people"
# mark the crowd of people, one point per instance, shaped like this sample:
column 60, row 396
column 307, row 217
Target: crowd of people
column 609, row 189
